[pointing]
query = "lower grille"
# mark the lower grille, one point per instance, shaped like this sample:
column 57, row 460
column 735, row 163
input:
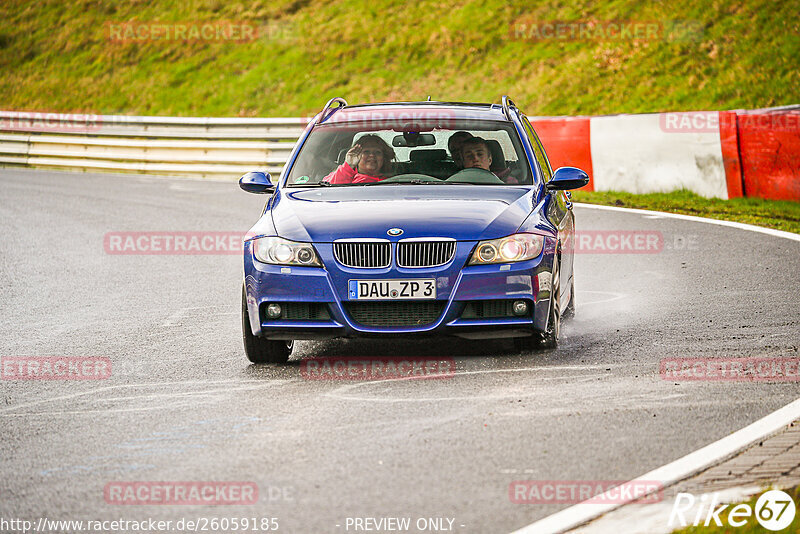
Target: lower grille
column 298, row 311
column 488, row 309
column 405, row 313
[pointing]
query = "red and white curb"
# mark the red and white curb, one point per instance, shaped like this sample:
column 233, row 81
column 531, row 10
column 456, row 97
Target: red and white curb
column 723, row 154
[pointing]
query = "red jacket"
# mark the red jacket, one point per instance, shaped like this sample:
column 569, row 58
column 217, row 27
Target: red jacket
column 345, row 174
column 505, row 175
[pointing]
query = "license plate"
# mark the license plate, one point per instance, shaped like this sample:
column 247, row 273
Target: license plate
column 391, row 289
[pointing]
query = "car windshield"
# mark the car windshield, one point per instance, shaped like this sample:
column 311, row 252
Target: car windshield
column 443, row 152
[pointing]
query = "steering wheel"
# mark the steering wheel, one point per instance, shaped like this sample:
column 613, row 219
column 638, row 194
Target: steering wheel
column 475, row 175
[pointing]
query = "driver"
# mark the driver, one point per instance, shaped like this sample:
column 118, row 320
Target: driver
column 476, row 154
column 454, row 144
column 368, row 160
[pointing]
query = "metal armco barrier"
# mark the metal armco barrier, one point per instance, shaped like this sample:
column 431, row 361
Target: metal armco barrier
column 722, row 154
column 201, row 147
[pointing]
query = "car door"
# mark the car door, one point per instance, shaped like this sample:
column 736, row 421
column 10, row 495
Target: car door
column 559, row 209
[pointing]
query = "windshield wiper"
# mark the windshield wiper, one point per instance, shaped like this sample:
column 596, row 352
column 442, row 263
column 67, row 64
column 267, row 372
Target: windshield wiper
column 317, row 184
column 416, row 181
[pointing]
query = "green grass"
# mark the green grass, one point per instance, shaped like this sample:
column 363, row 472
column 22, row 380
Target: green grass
column 752, row 526
column 57, row 56
column 781, row 215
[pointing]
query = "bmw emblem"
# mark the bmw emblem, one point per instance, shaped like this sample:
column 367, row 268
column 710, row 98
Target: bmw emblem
column 394, row 231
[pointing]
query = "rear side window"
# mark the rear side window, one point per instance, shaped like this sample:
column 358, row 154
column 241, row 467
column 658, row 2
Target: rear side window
column 538, row 150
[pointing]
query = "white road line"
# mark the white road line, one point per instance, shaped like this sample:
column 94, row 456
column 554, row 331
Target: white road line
column 656, row 274
column 341, row 392
column 183, row 314
column 172, row 319
column 680, row 469
column 614, row 296
column 652, row 405
column 702, row 458
column 140, row 385
column 731, row 224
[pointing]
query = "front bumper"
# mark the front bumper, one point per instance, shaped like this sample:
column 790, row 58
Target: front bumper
column 457, row 285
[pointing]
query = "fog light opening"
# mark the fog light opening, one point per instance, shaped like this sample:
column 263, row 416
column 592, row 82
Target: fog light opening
column 520, row 308
column 274, row 311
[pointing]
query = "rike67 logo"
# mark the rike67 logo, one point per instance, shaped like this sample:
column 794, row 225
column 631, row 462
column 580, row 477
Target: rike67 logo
column 774, row 511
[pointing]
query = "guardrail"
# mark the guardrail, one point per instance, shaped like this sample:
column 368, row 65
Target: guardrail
column 713, row 153
column 191, row 146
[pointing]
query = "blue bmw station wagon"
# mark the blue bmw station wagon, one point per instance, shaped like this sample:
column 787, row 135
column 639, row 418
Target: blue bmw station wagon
column 411, row 219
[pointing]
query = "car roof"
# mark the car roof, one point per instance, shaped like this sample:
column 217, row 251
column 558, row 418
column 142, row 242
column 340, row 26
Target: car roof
column 416, row 110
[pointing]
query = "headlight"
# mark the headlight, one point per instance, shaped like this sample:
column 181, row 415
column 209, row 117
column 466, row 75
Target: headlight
column 517, row 247
column 279, row 251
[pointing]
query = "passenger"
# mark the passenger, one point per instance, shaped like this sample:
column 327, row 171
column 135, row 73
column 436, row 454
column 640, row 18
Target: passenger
column 454, row 144
column 368, row 160
column 476, row 154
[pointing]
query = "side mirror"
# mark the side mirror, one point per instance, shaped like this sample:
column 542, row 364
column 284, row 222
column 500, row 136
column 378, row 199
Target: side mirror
column 566, row 178
column 256, row 182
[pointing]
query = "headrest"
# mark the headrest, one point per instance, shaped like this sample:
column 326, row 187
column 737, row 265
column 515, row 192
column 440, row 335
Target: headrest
column 498, row 158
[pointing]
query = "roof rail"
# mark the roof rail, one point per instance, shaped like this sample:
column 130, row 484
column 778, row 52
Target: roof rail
column 507, row 105
column 335, row 100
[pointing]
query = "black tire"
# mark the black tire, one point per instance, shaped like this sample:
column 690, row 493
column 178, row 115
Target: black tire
column 569, row 311
column 258, row 349
column 549, row 338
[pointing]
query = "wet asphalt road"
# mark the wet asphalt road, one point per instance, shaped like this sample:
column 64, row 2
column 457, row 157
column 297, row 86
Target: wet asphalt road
column 183, row 404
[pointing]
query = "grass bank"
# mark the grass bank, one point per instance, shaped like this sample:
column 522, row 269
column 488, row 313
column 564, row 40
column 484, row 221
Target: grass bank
column 63, row 56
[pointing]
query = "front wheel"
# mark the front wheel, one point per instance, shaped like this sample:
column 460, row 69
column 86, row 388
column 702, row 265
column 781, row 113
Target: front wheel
column 549, row 338
column 258, row 349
